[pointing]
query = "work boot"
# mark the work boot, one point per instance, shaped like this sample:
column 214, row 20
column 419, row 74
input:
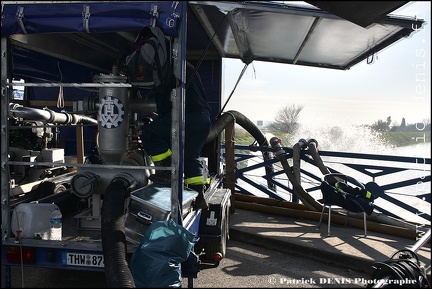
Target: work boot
column 162, row 177
column 200, row 201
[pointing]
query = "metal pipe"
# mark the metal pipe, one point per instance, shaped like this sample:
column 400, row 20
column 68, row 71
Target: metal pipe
column 113, row 125
column 423, row 240
column 47, row 115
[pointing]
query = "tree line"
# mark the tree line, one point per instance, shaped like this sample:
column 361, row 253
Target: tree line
column 286, row 120
column 388, row 125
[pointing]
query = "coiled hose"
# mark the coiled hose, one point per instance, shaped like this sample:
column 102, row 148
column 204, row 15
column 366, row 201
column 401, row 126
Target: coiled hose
column 400, row 273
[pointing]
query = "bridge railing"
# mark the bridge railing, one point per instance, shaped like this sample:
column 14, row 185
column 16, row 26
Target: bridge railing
column 406, row 181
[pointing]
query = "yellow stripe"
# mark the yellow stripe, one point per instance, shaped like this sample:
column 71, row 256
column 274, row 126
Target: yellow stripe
column 337, row 187
column 368, row 194
column 198, row 180
column 160, row 157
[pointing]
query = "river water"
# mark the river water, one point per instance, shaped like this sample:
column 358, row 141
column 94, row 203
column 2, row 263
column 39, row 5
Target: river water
column 415, row 196
column 421, row 149
column 357, row 139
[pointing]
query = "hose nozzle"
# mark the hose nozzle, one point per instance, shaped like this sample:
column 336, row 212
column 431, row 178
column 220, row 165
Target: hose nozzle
column 277, row 149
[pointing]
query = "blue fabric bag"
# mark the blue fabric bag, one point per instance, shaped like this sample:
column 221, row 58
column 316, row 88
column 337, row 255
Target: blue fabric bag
column 157, row 261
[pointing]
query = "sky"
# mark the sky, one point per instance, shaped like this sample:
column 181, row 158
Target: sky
column 361, row 95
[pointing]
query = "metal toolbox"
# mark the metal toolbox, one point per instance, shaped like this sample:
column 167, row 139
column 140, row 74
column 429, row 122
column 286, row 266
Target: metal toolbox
column 152, row 203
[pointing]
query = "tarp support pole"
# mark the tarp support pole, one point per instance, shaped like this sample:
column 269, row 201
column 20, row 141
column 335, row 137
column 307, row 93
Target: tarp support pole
column 20, row 15
column 86, row 18
column 155, row 15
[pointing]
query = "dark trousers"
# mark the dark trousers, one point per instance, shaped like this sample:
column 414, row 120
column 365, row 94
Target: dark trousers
column 156, row 138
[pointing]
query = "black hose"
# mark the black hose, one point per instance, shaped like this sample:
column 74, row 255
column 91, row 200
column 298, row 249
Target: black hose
column 243, row 121
column 313, row 145
column 399, row 273
column 280, row 153
column 236, row 117
column 114, row 246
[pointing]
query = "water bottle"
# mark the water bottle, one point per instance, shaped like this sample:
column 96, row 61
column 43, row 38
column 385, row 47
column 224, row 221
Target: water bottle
column 204, row 171
column 56, row 225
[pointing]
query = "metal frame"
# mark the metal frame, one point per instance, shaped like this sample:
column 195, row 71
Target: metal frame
column 378, row 167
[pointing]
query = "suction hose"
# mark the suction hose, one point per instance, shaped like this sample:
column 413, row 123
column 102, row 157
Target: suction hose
column 114, row 246
column 235, row 116
column 312, row 145
column 307, row 199
column 301, row 144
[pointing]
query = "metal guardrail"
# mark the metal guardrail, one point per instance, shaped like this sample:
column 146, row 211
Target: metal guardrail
column 405, row 180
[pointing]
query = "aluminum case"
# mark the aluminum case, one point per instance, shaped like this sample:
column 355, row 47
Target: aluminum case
column 152, row 203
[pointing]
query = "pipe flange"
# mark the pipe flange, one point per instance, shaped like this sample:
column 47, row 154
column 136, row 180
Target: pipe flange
column 126, row 178
column 109, row 78
column 84, row 184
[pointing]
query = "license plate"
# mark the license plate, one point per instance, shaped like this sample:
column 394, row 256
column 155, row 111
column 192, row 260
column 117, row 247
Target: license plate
column 80, row 259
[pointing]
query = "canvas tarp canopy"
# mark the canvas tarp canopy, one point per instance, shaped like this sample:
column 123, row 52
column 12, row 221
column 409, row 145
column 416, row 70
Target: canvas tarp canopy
column 249, row 30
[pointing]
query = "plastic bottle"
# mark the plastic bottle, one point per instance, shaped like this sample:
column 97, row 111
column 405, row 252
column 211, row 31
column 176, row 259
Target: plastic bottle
column 56, row 224
column 205, row 171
